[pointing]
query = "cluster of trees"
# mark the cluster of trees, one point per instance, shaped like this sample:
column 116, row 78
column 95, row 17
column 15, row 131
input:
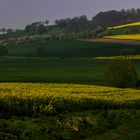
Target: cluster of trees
column 70, row 25
column 97, row 32
column 41, row 51
column 3, row 49
column 76, row 24
column 103, row 19
column 113, row 17
column 4, row 30
column 122, row 73
column 96, row 27
column 37, row 27
column 81, row 24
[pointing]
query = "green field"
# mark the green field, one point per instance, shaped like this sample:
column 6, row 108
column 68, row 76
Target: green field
column 131, row 57
column 120, row 30
column 70, row 49
column 86, row 71
column 126, row 25
column 52, row 70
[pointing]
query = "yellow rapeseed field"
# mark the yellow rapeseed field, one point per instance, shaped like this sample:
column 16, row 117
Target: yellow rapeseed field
column 125, row 25
column 33, row 99
column 125, row 37
column 132, row 57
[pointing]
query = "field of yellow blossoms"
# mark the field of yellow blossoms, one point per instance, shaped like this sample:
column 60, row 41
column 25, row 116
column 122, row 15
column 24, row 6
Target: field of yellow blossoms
column 125, row 25
column 31, row 99
column 125, row 37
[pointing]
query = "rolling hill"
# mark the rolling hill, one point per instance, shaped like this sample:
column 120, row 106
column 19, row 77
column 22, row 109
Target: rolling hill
column 129, row 31
column 126, row 25
column 70, row 49
column 132, row 28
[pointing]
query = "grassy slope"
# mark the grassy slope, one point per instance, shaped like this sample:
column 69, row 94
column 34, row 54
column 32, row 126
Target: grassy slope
column 55, row 31
column 119, row 30
column 60, row 70
column 41, row 70
column 71, row 48
column 65, row 71
column 126, row 25
column 15, row 34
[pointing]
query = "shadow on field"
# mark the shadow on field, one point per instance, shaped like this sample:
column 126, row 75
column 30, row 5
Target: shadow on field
column 98, row 82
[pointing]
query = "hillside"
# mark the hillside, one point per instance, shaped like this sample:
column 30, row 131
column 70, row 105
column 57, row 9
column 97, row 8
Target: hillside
column 126, row 25
column 132, row 28
column 69, row 49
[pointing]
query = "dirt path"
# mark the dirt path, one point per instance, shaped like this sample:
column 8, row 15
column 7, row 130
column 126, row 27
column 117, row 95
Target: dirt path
column 120, row 41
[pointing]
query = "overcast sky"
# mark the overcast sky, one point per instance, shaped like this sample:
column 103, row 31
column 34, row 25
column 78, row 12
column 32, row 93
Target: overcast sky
column 18, row 13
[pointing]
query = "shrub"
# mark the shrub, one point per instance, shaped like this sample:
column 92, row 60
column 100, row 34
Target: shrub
column 122, row 74
column 3, row 51
column 127, row 52
column 41, row 52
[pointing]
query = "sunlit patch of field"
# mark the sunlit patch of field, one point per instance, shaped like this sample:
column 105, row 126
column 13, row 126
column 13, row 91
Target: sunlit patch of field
column 132, row 57
column 125, row 37
column 116, row 40
column 125, row 25
column 32, row 99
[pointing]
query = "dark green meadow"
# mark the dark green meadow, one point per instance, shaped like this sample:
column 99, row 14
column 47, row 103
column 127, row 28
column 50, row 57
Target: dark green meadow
column 66, row 61
column 52, row 70
column 122, row 31
column 69, row 49
column 81, row 71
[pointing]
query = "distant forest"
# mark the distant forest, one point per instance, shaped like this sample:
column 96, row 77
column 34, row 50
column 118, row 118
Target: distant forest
column 113, row 18
column 104, row 19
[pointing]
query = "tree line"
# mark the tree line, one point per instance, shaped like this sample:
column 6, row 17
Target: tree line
column 37, row 27
column 104, row 19
column 76, row 24
column 82, row 23
column 113, row 17
column 4, row 30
